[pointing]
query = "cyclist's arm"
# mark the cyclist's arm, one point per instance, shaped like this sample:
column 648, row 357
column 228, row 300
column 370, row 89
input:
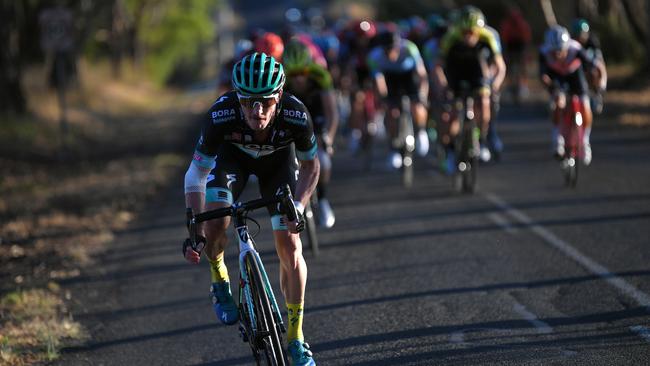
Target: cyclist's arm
column 328, row 99
column 377, row 76
column 543, row 70
column 500, row 74
column 420, row 69
column 307, row 179
column 331, row 116
column 306, row 153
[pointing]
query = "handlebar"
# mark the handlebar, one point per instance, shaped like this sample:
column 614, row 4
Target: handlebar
column 284, row 198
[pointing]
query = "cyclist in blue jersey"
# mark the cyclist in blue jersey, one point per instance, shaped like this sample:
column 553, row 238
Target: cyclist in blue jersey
column 255, row 129
column 398, row 69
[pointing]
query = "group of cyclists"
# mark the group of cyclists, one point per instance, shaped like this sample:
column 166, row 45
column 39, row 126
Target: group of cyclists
column 283, row 96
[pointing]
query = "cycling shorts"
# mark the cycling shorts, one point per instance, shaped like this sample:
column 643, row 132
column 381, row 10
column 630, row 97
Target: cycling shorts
column 233, row 168
column 576, row 82
column 403, row 83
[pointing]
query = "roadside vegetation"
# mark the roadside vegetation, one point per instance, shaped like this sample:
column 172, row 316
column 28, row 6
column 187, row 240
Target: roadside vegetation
column 126, row 140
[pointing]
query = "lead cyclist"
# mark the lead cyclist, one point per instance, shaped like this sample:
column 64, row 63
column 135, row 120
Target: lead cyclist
column 255, row 129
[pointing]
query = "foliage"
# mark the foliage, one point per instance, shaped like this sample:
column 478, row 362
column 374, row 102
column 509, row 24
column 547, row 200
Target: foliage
column 171, row 32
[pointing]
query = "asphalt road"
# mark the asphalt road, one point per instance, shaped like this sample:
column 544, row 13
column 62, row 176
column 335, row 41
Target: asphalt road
column 525, row 271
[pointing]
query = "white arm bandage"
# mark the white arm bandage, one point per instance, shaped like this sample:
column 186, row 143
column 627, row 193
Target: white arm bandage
column 196, row 178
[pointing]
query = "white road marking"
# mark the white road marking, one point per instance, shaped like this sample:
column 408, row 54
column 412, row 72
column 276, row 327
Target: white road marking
column 644, row 332
column 541, row 326
column 639, row 296
column 502, row 222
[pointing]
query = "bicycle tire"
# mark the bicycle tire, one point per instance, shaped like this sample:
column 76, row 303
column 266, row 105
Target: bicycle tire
column 310, row 228
column 268, row 340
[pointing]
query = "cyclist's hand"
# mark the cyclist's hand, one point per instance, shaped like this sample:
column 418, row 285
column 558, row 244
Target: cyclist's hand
column 298, row 224
column 193, row 255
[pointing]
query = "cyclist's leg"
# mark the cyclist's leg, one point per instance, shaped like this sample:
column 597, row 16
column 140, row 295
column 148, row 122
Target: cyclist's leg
column 419, row 112
column 278, row 170
column 483, row 111
column 326, row 216
column 226, row 181
column 578, row 85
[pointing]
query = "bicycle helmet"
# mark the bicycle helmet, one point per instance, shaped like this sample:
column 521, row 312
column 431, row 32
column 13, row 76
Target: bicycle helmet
column 389, row 38
column 270, row 44
column 471, row 17
column 437, row 25
column 364, row 29
column 296, row 56
column 258, row 74
column 579, row 26
column 557, row 38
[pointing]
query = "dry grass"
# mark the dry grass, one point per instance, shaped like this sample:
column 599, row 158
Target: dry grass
column 34, row 325
column 56, row 214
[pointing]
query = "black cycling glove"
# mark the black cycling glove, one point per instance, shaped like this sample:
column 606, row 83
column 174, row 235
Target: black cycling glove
column 201, row 241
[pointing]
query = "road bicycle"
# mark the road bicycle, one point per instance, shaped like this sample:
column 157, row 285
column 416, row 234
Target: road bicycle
column 406, row 141
column 467, row 145
column 572, row 131
column 259, row 315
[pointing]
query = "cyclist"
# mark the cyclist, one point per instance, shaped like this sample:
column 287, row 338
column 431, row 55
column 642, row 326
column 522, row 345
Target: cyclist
column 397, row 69
column 516, row 35
column 596, row 79
column 355, row 77
column 271, row 44
column 439, row 117
column 312, row 84
column 255, row 129
column 562, row 61
column 467, row 52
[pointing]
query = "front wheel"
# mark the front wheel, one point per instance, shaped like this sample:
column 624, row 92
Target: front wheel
column 266, row 339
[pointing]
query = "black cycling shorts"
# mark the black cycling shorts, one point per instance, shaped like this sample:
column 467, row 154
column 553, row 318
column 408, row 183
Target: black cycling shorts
column 575, row 82
column 233, row 168
column 402, row 83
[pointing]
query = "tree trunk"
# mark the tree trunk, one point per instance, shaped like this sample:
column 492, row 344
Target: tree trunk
column 638, row 16
column 11, row 93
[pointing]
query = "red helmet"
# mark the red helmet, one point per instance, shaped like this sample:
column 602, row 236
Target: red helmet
column 364, row 28
column 271, row 44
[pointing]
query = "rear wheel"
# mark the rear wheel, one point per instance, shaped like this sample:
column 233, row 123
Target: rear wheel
column 267, row 339
column 310, row 226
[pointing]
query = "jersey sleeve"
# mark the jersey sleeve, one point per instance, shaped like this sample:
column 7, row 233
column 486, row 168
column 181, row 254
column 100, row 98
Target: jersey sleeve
column 297, row 116
column 414, row 53
column 213, row 128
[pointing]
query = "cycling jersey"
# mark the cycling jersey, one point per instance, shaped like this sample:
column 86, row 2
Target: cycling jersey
column 227, row 142
column 319, row 80
column 466, row 64
column 401, row 75
column 408, row 60
column 569, row 70
column 225, row 124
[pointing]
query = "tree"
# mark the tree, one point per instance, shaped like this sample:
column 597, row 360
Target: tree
column 11, row 93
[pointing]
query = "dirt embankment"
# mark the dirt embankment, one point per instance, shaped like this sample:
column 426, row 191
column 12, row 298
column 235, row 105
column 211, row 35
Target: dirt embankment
column 58, row 208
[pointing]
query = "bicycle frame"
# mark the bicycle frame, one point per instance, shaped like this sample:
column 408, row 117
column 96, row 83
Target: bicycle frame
column 246, row 246
column 573, row 129
column 249, row 290
column 467, row 143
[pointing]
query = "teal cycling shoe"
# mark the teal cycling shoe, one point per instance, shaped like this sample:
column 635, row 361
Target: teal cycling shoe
column 300, row 354
column 223, row 303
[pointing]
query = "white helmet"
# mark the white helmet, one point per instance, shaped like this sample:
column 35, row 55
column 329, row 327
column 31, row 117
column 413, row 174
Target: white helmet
column 557, row 38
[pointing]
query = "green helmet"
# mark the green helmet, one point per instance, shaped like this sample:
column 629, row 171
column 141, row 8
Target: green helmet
column 258, row 75
column 296, row 56
column 579, row 26
column 471, row 17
